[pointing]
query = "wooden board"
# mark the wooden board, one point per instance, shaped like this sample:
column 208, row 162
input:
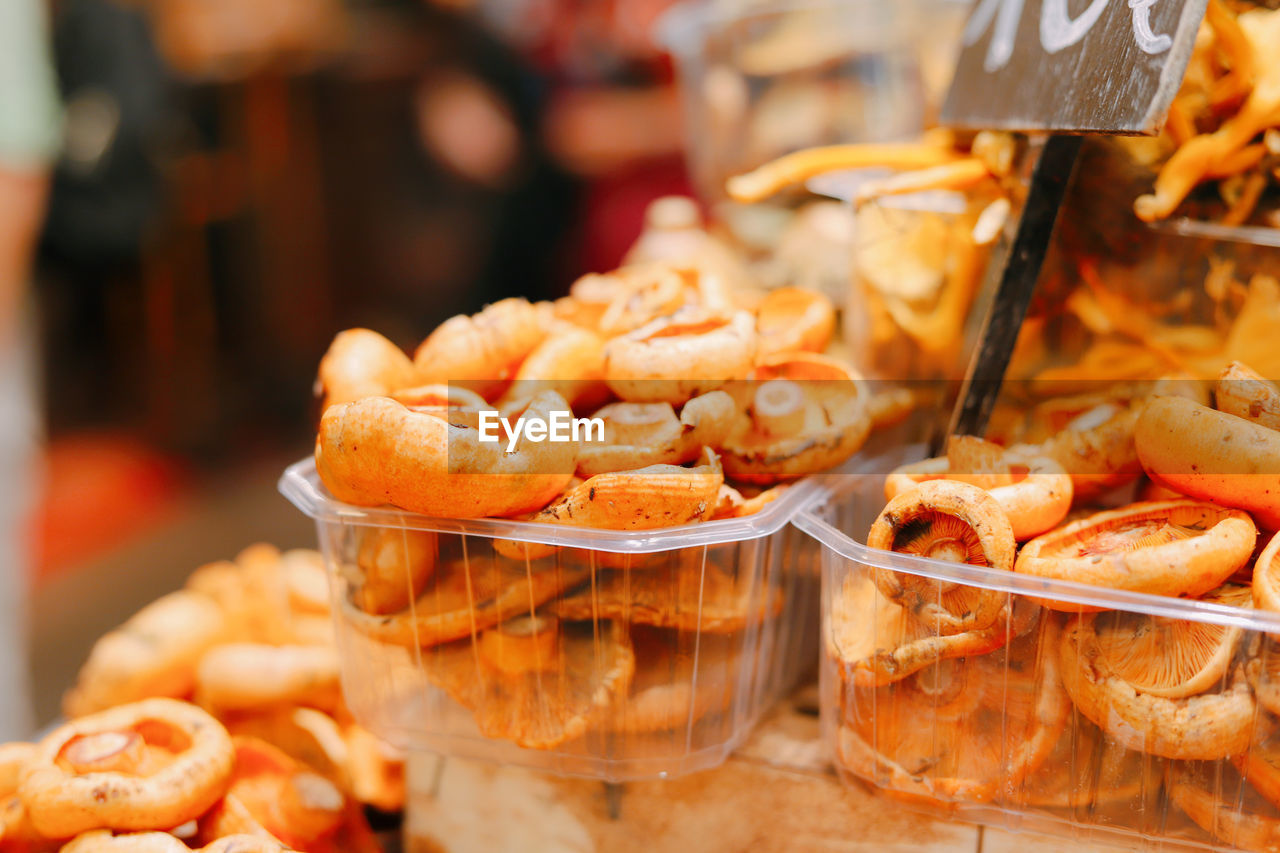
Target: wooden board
column 1075, row 66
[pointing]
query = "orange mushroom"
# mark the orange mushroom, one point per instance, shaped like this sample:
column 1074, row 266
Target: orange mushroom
column 791, row 319
column 481, row 352
column 1242, row 392
column 244, row 676
column 1034, row 491
column 155, row 764
column 807, row 413
column 154, row 653
column 544, row 706
column 393, row 566
column 1203, row 713
column 376, row 451
column 570, row 362
column 1224, row 805
column 637, row 435
column 1177, row 548
column 290, row 802
column 464, row 596
column 1212, row 455
column 677, row 358
column 361, row 363
column 950, row 521
column 876, row 642
column 969, row 730
column 1266, row 576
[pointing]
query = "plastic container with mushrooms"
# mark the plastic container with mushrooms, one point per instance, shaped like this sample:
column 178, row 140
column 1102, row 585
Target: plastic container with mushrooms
column 1088, row 652
column 621, row 605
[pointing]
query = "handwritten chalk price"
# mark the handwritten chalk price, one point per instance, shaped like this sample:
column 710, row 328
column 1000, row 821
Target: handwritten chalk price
column 1111, row 67
column 1058, row 30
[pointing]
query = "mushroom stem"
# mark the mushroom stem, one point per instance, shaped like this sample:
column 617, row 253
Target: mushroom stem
column 778, row 408
column 106, row 752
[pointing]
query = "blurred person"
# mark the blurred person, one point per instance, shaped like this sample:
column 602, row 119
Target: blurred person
column 440, row 191
column 612, row 114
column 29, row 136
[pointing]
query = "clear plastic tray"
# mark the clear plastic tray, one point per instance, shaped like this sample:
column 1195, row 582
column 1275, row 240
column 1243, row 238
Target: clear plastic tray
column 671, row 643
column 996, row 738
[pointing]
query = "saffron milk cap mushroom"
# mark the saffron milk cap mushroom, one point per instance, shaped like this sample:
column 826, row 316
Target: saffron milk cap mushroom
column 949, row 521
column 1034, row 491
column 376, row 451
column 1212, row 455
column 481, row 352
column 1176, row 548
column 173, row 761
column 1217, row 722
column 362, row 363
column 1242, row 392
column 679, row 357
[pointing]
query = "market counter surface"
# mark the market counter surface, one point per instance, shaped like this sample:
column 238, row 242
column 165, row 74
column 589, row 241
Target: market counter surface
column 775, row 794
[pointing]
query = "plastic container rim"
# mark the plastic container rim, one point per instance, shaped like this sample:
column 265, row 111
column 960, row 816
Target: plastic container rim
column 300, row 484
column 1048, row 588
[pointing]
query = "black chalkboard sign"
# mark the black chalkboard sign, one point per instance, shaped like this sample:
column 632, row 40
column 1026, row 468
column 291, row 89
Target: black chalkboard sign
column 1072, row 66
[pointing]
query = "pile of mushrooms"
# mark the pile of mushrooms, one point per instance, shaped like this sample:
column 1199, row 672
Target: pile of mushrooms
column 1224, row 125
column 670, row 360
column 211, row 720
column 908, row 647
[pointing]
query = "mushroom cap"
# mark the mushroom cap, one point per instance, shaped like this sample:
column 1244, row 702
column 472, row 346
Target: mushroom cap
column 1176, row 548
column 362, row 363
column 245, row 676
column 306, row 735
column 647, row 498
column 876, row 642
column 953, row 521
column 1266, row 576
column 967, row 729
column 790, row 319
column 1171, row 658
column 1036, row 497
column 1224, row 805
column 1212, row 455
column 392, row 567
column 1097, row 448
column 1205, row 726
column 808, row 413
column 62, row 804
column 376, row 451
column 637, row 435
column 481, row 352
column 154, row 653
column 679, row 357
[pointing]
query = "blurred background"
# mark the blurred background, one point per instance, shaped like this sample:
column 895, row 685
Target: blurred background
column 231, row 182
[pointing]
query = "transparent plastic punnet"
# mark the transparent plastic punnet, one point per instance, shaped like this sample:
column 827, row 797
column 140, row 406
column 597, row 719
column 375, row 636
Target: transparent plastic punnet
column 608, row 654
column 1039, row 727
